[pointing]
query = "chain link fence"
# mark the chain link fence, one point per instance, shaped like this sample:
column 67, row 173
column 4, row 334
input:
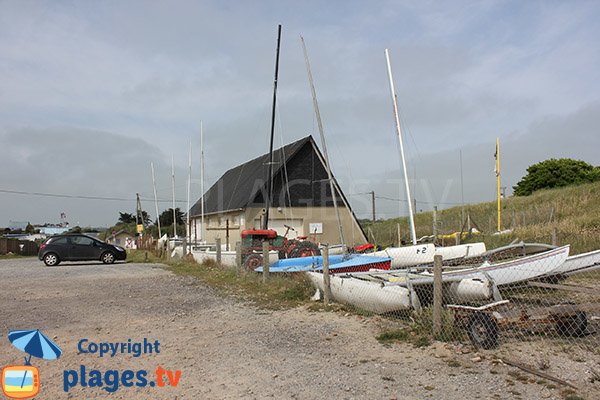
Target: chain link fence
column 534, row 293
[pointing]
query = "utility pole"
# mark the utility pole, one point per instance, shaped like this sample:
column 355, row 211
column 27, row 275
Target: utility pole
column 373, row 204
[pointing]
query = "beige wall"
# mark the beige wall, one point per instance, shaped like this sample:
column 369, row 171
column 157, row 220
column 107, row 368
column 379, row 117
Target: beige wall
column 215, row 225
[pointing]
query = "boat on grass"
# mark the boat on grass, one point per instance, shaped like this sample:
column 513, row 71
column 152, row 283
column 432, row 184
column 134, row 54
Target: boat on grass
column 337, row 264
column 372, row 291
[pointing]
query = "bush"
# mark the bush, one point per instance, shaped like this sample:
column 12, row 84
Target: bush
column 554, row 173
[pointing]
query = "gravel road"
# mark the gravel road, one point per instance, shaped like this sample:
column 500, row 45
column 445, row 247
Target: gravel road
column 226, row 349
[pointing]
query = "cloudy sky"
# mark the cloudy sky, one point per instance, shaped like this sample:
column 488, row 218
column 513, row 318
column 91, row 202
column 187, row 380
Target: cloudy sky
column 91, row 92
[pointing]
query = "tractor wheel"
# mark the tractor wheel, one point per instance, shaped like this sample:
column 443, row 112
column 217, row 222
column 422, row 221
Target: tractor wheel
column 253, row 261
column 305, row 249
column 483, row 330
column 574, row 325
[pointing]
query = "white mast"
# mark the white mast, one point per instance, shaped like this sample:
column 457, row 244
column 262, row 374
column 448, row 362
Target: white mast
column 155, row 200
column 189, row 187
column 323, row 144
column 201, row 182
column 399, row 131
column 173, row 185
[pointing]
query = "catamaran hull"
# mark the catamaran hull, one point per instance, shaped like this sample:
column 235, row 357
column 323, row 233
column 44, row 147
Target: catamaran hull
column 461, row 250
column 408, row 256
column 365, row 295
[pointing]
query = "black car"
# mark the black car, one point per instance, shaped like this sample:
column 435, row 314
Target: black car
column 78, row 248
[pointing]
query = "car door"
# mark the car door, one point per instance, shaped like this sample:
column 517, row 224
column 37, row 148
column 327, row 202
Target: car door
column 83, row 248
column 60, row 246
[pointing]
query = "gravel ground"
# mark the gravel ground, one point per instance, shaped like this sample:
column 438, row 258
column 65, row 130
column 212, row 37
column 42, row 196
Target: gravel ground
column 226, row 349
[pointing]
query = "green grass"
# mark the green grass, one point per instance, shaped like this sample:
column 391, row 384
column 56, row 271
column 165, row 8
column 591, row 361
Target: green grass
column 11, row 256
column 573, row 211
column 279, row 292
column 419, row 330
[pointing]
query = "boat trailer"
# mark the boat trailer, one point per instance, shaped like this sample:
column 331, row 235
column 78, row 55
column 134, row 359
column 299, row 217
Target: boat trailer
column 484, row 323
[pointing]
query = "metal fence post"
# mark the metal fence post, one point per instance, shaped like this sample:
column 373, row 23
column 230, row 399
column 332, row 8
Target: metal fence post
column 437, row 294
column 218, row 241
column 326, row 278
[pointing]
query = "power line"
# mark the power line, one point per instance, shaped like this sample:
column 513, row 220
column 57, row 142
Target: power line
column 80, row 197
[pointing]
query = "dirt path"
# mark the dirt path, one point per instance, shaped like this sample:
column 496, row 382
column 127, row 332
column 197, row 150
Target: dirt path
column 226, row 349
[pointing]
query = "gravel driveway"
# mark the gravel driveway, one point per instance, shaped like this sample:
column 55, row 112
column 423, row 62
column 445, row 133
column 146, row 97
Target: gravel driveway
column 226, row 349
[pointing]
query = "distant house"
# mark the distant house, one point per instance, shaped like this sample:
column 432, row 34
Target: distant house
column 18, row 225
column 53, row 230
column 122, row 238
column 301, row 199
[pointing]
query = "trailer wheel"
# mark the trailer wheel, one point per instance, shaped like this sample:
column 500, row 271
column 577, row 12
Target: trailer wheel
column 483, row 330
column 253, row 261
column 574, row 325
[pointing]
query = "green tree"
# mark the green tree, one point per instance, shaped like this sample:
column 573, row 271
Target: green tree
column 126, row 218
column 554, row 173
column 166, row 217
column 29, row 229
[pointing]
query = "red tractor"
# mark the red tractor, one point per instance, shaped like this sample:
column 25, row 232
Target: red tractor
column 252, row 240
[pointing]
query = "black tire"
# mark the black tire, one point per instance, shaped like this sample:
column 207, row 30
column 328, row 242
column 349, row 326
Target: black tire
column 574, row 325
column 483, row 330
column 107, row 257
column 305, row 249
column 253, row 261
column 51, row 259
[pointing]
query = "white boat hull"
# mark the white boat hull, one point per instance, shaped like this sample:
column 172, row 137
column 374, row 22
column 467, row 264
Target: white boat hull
column 578, row 263
column 365, row 295
column 228, row 258
column 461, row 250
column 407, row 256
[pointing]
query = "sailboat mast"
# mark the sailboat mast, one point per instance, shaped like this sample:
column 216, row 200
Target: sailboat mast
column 270, row 169
column 399, row 131
column 201, row 182
column 498, row 177
column 189, row 188
column 173, row 186
column 155, row 200
column 323, row 143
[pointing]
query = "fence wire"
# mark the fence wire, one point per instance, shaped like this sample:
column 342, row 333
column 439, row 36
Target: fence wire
column 521, row 293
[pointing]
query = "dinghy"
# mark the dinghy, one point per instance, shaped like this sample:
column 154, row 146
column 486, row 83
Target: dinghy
column 368, row 289
column 337, row 264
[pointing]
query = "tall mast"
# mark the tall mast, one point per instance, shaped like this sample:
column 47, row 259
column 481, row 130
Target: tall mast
column 189, row 188
column 201, row 182
column 399, row 131
column 270, row 174
column 173, row 186
column 155, row 200
column 497, row 155
column 323, row 143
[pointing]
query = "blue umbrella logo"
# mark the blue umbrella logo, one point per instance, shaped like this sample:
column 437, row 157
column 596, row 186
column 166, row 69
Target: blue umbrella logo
column 23, row 382
column 34, row 343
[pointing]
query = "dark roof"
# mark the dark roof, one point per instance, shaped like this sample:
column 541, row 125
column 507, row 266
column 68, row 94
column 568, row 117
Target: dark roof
column 303, row 181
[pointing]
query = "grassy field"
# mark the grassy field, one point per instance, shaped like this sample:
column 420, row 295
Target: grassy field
column 573, row 211
column 280, row 290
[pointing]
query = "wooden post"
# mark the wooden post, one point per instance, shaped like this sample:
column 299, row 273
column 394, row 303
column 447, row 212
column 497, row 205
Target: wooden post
column 373, row 204
column 399, row 237
column 238, row 256
column 326, row 279
column 435, row 233
column 265, row 261
column 458, row 237
column 554, row 236
column 227, row 235
column 218, row 241
column 437, row 294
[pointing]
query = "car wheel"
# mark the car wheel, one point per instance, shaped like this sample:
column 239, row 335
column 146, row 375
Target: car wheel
column 51, row 259
column 108, row 257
